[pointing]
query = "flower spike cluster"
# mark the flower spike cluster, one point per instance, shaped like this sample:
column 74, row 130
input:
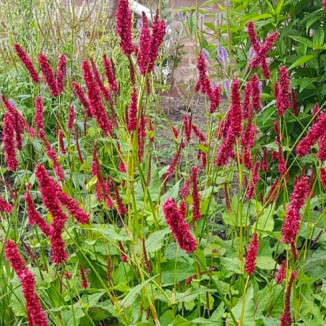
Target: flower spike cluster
column 5, row 206
column 48, row 75
column 123, row 18
column 261, row 50
column 286, row 319
column 292, row 219
column 53, row 197
column 61, row 72
column 14, row 125
column 178, row 226
column 252, row 254
column 96, row 106
column 35, row 313
column 27, row 62
column 316, row 131
column 110, row 75
column 283, row 91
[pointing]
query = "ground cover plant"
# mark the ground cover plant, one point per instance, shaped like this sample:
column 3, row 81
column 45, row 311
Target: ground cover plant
column 95, row 230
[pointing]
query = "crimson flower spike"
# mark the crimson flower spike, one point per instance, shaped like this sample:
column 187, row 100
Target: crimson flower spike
column 196, row 215
column 145, row 43
column 282, row 99
column 27, row 62
column 179, row 227
column 158, row 35
column 123, row 18
column 252, row 254
column 35, row 313
column 109, row 71
column 5, row 206
column 292, row 218
column 95, row 101
column 203, row 84
column 286, row 319
column 61, row 72
column 261, row 50
column 48, row 75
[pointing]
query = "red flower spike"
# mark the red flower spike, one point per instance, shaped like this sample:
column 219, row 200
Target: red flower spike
column 105, row 92
column 187, row 124
column 315, row 132
column 82, row 98
column 97, row 109
column 260, row 58
column 48, row 75
column 292, row 218
column 72, row 207
column 215, row 99
column 8, row 139
column 281, row 274
column 235, row 111
column 84, row 283
column 252, row 254
column 5, row 206
column 33, row 216
column 282, row 101
column 144, row 43
column 265, row 161
column 27, row 62
column 323, row 177
column 61, row 72
column 203, row 85
column 48, row 190
column 178, row 226
column 226, row 150
column 123, row 27
column 61, row 143
column 35, row 313
column 247, row 102
column 322, row 148
column 109, row 71
column 122, row 209
column 158, row 34
column 286, row 319
column 133, row 111
column 39, row 113
column 175, row 132
column 202, row 138
column 294, row 103
column 71, row 119
column 196, row 215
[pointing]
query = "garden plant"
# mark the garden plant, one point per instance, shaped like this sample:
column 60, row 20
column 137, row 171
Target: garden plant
column 96, row 229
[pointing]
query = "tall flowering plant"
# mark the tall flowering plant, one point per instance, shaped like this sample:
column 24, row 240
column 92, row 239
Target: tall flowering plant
column 223, row 230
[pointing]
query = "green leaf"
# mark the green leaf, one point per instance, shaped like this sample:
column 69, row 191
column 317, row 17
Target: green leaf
column 231, row 265
column 155, row 240
column 264, row 262
column 302, row 60
column 303, row 40
column 265, row 222
column 249, row 309
column 134, row 293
